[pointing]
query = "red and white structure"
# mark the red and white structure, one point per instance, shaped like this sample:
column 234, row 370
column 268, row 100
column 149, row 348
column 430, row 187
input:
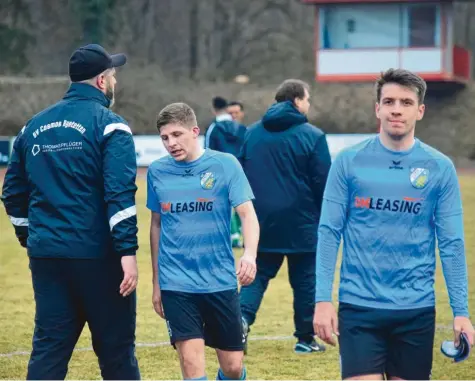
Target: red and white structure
column 357, row 39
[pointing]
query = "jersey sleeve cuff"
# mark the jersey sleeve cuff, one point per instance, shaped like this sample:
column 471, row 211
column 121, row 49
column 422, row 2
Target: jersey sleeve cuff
column 153, row 208
column 461, row 312
column 323, row 298
column 242, row 201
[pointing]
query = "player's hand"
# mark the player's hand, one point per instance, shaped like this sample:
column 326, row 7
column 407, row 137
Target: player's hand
column 463, row 324
column 157, row 301
column 246, row 268
column 129, row 267
column 325, row 322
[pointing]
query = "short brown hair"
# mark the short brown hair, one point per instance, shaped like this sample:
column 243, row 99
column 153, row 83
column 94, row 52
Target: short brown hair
column 404, row 78
column 291, row 89
column 179, row 113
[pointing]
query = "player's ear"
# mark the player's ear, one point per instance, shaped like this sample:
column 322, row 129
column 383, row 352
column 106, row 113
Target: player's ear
column 420, row 111
column 196, row 131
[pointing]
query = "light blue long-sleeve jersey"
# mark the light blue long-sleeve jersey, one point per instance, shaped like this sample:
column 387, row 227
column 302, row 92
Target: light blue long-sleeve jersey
column 391, row 208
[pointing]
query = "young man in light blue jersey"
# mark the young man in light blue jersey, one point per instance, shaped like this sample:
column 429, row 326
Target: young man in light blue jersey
column 391, row 197
column 191, row 194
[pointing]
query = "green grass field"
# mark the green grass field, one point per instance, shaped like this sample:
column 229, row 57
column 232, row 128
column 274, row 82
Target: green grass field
column 270, row 349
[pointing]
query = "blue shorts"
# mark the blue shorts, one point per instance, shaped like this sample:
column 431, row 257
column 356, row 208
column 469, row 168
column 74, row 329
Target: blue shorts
column 214, row 317
column 395, row 343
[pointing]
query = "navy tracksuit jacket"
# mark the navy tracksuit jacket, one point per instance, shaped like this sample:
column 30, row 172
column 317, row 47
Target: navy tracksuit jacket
column 225, row 135
column 70, row 191
column 286, row 161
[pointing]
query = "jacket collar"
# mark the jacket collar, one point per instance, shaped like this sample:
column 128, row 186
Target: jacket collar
column 84, row 91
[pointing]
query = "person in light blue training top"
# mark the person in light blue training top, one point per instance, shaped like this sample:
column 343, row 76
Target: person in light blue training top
column 191, row 193
column 391, row 197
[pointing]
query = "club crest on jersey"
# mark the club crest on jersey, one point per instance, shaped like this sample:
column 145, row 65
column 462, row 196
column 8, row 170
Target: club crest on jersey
column 419, row 177
column 207, row 180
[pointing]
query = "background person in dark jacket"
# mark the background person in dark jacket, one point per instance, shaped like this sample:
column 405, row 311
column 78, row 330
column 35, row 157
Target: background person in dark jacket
column 236, row 110
column 287, row 161
column 70, row 193
column 224, row 134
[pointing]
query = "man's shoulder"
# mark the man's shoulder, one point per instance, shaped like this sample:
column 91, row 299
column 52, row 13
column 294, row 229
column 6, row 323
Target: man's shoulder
column 110, row 121
column 226, row 162
column 363, row 145
column 160, row 164
column 44, row 115
column 347, row 154
column 435, row 162
column 254, row 129
column 223, row 158
column 111, row 115
column 227, row 126
column 436, row 155
column 255, row 126
column 311, row 130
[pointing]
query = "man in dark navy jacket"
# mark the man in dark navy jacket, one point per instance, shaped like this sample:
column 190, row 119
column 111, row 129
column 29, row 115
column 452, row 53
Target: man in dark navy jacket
column 70, row 194
column 287, row 161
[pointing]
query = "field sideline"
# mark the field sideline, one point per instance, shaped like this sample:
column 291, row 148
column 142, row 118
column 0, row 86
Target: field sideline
column 271, row 345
